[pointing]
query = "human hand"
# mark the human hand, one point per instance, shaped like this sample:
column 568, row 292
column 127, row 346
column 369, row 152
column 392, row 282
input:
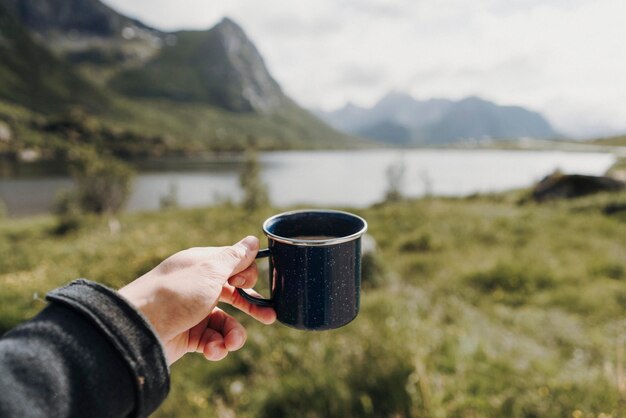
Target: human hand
column 179, row 297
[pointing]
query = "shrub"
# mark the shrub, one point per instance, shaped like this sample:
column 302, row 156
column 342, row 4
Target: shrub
column 612, row 270
column 372, row 271
column 170, row 199
column 68, row 211
column 422, row 242
column 255, row 195
column 102, row 183
column 3, row 210
column 395, row 181
column 511, row 278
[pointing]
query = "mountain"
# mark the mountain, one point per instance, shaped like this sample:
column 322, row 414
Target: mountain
column 393, row 133
column 220, row 66
column 399, row 119
column 62, row 17
column 394, row 109
column 88, row 31
column 475, row 118
column 190, row 91
column 32, row 77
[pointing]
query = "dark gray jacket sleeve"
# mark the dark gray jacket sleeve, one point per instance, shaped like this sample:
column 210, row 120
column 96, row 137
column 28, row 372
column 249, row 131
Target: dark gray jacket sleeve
column 87, row 354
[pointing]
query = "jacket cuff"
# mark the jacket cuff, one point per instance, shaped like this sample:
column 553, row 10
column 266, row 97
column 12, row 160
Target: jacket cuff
column 129, row 332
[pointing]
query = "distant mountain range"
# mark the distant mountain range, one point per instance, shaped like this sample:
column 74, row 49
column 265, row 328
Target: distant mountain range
column 399, row 119
column 204, row 90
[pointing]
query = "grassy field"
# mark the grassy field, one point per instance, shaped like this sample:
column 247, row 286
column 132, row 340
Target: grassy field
column 617, row 141
column 471, row 308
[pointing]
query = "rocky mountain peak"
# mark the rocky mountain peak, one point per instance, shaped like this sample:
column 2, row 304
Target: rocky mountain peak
column 256, row 86
column 228, row 24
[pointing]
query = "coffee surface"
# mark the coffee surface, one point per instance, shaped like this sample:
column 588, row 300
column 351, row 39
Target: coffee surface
column 313, row 237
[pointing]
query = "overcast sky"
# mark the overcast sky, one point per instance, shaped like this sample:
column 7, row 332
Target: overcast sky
column 565, row 58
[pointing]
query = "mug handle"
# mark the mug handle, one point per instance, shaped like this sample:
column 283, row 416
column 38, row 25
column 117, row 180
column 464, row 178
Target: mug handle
column 253, row 299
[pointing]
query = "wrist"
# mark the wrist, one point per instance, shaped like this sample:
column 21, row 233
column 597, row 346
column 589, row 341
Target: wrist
column 145, row 303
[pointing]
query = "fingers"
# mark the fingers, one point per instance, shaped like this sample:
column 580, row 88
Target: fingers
column 196, row 334
column 238, row 257
column 246, row 278
column 260, row 313
column 233, row 332
column 212, row 345
column 222, row 334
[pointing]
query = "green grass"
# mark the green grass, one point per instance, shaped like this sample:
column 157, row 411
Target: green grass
column 140, row 128
column 197, row 127
column 478, row 308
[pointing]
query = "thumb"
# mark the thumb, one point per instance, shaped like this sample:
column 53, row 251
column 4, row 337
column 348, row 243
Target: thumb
column 239, row 256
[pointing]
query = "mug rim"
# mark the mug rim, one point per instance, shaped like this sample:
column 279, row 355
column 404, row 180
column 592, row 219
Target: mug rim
column 314, row 243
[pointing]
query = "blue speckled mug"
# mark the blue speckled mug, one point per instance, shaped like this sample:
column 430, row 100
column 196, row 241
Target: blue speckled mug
column 315, row 268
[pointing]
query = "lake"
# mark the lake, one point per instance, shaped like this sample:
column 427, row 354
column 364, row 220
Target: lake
column 354, row 178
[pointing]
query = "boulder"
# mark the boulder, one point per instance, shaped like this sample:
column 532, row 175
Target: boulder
column 567, row 186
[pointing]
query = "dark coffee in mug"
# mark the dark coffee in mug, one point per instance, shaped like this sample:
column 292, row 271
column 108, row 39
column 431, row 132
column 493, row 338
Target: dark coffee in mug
column 315, row 268
column 313, row 237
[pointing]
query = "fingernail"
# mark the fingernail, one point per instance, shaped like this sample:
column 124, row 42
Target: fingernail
column 215, row 348
column 250, row 242
column 237, row 281
column 237, row 340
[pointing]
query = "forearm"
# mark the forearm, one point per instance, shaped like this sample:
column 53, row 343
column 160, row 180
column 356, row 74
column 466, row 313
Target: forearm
column 87, row 354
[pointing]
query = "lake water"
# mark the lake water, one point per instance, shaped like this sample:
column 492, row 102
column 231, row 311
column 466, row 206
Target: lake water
column 322, row 178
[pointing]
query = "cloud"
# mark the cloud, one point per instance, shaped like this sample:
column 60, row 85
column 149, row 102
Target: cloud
column 363, row 77
column 287, row 25
column 564, row 58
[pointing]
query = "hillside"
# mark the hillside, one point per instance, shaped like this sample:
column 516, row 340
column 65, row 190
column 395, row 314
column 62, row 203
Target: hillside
column 83, row 17
column 87, row 33
column 402, row 120
column 32, row 77
column 190, row 91
column 192, row 128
